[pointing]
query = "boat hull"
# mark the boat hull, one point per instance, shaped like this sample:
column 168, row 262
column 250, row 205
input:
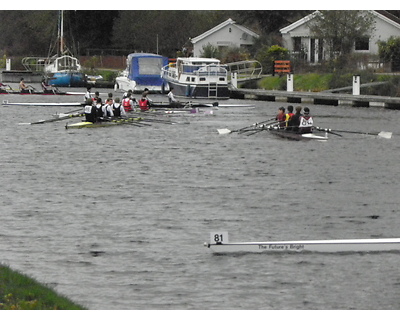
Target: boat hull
column 125, row 84
column 199, row 90
column 67, row 79
column 297, row 136
column 327, row 246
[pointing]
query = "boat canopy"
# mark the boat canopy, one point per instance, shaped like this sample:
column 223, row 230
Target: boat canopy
column 63, row 63
column 145, row 68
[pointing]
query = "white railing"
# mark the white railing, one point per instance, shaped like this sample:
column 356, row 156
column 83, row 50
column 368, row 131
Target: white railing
column 245, row 70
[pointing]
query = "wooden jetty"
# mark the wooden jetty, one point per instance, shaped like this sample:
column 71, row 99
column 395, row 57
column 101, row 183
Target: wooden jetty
column 324, row 98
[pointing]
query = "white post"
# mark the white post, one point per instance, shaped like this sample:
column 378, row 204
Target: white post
column 234, row 80
column 289, row 82
column 356, row 85
column 8, row 64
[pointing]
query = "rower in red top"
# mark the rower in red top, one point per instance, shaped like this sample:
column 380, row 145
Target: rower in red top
column 127, row 103
column 281, row 117
column 144, row 102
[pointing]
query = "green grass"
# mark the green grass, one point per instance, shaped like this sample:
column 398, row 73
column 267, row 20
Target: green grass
column 19, row 292
column 302, row 82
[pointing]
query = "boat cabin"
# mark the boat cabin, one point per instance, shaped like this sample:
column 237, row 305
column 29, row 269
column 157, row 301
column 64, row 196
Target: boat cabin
column 63, row 63
column 198, row 70
column 145, row 68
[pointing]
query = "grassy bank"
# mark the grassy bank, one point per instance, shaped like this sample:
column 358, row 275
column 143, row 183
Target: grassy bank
column 315, row 82
column 19, row 292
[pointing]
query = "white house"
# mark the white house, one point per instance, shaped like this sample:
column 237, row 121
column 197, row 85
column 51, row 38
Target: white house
column 296, row 37
column 226, row 34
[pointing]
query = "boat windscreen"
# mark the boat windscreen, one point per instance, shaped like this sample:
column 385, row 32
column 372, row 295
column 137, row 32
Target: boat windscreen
column 150, row 66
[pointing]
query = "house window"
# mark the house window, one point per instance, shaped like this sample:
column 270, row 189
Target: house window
column 362, row 44
column 297, row 44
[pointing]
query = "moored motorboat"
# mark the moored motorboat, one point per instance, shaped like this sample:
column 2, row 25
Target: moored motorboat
column 143, row 71
column 219, row 243
column 197, row 78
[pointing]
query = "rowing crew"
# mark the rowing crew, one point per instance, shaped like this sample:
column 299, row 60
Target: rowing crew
column 296, row 122
column 96, row 111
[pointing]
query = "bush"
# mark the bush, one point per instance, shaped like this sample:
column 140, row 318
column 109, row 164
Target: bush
column 267, row 55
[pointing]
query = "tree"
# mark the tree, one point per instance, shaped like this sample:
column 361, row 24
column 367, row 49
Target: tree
column 27, row 32
column 340, row 29
column 389, row 51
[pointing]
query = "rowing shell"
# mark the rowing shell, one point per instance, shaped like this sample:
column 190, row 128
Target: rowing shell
column 45, row 104
column 86, row 124
column 219, row 244
column 297, row 136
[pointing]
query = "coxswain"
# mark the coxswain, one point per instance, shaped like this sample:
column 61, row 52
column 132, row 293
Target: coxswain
column 306, row 122
column 127, row 103
column 90, row 111
column 118, row 109
column 281, row 117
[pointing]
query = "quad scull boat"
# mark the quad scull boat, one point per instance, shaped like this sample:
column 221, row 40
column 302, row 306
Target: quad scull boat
column 219, row 243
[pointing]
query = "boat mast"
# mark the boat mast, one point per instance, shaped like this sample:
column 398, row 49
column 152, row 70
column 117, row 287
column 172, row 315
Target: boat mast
column 61, row 32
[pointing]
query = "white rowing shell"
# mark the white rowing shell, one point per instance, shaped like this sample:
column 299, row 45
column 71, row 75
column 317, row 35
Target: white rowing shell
column 347, row 245
column 45, row 104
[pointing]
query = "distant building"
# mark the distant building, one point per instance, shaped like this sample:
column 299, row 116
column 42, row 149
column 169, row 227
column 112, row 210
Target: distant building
column 226, row 34
column 297, row 37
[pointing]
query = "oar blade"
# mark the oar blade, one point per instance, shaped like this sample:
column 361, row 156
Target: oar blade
column 385, row 135
column 224, row 131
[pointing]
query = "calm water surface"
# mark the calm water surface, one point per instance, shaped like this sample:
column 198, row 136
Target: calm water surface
column 116, row 218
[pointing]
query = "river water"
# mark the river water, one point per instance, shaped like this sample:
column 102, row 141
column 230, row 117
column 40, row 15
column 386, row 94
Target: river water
column 116, row 218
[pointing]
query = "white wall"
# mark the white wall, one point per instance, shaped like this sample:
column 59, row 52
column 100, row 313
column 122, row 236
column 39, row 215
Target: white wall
column 230, row 35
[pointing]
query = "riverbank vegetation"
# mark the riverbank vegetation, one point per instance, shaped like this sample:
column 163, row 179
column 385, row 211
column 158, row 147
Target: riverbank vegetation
column 20, row 292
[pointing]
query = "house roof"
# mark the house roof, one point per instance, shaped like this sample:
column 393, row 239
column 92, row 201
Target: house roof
column 223, row 25
column 384, row 15
column 298, row 23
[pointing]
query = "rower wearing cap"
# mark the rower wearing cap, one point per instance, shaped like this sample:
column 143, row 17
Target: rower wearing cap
column 306, row 122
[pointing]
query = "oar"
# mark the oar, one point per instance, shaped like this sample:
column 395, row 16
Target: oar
column 328, row 130
column 259, row 126
column 382, row 134
column 226, row 131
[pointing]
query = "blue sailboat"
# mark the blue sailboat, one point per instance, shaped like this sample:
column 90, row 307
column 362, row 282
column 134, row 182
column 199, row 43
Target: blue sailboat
column 63, row 69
